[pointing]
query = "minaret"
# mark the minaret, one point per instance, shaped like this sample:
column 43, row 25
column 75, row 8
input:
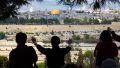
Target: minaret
column 31, row 9
column 29, row 13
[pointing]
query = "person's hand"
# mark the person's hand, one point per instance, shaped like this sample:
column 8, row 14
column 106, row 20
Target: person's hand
column 34, row 40
column 69, row 41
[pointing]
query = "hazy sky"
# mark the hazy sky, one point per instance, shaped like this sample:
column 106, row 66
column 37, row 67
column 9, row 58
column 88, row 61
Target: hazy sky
column 46, row 4
column 52, row 4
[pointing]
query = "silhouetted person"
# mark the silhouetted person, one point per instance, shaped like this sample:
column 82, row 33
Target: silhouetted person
column 105, row 48
column 22, row 56
column 55, row 55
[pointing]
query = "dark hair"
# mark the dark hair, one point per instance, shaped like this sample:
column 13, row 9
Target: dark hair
column 55, row 40
column 105, row 36
column 21, row 37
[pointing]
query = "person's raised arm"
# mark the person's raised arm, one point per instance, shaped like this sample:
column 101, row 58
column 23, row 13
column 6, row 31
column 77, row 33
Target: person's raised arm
column 69, row 42
column 68, row 48
column 114, row 35
column 39, row 47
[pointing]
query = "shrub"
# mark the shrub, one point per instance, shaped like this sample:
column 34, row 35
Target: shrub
column 3, row 61
column 41, row 65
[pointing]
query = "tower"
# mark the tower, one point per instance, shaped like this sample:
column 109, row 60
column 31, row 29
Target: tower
column 29, row 13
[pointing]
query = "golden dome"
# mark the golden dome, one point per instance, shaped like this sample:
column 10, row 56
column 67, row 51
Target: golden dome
column 55, row 11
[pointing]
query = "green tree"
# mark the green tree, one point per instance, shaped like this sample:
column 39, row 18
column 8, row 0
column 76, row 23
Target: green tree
column 41, row 65
column 116, row 19
column 88, row 55
column 86, row 36
column 9, row 8
column 95, row 21
column 3, row 61
column 2, row 35
column 80, row 58
column 97, row 4
column 76, row 37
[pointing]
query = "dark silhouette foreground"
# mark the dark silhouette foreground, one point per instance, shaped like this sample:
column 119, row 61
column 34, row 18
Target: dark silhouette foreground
column 71, row 65
column 105, row 48
column 22, row 56
column 109, row 63
column 55, row 55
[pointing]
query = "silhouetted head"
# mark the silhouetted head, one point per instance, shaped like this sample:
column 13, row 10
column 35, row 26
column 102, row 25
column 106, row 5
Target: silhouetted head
column 21, row 38
column 105, row 36
column 55, row 41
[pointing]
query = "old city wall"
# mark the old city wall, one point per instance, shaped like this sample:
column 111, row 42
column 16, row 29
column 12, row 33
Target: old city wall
column 49, row 28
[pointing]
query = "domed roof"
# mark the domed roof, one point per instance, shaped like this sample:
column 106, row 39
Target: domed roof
column 55, row 11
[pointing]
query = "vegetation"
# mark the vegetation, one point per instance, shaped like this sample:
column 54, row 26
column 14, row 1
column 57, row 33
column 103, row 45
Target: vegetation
column 2, row 35
column 3, row 61
column 89, row 39
column 23, row 21
column 86, row 39
column 68, row 58
column 41, row 65
column 67, row 21
column 80, row 57
column 85, row 59
column 88, row 55
column 96, row 4
column 92, row 21
column 75, row 37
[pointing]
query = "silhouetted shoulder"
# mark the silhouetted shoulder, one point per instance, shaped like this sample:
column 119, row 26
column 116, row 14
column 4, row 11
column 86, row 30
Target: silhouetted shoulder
column 33, row 53
column 31, row 48
column 12, row 52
